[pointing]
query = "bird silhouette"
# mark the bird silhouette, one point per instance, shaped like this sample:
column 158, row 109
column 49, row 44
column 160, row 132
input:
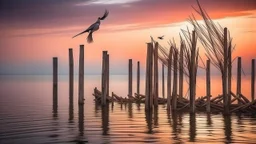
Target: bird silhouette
column 161, row 37
column 94, row 27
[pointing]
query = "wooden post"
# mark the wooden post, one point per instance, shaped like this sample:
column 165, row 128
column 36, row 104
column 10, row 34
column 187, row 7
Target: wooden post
column 163, row 81
column 146, row 79
column 229, row 75
column 71, row 76
column 253, row 80
column 138, row 77
column 81, row 76
column 181, row 72
column 149, row 71
column 224, row 75
column 208, row 86
column 103, row 78
column 156, row 75
column 130, row 78
column 169, row 79
column 238, row 86
column 55, row 84
column 175, row 79
column 107, row 74
column 192, row 76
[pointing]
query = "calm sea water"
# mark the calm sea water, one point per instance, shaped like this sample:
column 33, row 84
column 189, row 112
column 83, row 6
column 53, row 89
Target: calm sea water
column 27, row 116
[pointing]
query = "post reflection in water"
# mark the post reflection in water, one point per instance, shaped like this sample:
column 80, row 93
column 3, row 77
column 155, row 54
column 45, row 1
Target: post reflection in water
column 155, row 117
column 71, row 110
column 240, row 122
column 138, row 106
column 130, row 110
column 192, row 127
column 81, row 119
column 105, row 119
column 227, row 128
column 149, row 121
column 55, row 101
column 209, row 123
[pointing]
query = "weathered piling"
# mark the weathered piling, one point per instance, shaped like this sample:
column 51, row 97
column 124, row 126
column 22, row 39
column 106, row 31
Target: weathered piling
column 224, row 75
column 181, row 71
column 138, row 77
column 192, row 75
column 175, row 79
column 163, row 84
column 169, row 79
column 71, row 76
column 104, row 78
column 81, row 76
column 229, row 74
column 107, row 74
column 156, row 75
column 208, row 86
column 130, row 78
column 149, row 72
column 253, row 80
column 55, row 84
column 71, row 84
column 238, row 84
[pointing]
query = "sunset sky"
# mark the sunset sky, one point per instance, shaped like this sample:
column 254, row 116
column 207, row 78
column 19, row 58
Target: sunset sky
column 34, row 31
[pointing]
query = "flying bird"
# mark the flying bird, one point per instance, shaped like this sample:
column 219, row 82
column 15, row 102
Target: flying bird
column 94, row 27
column 161, row 37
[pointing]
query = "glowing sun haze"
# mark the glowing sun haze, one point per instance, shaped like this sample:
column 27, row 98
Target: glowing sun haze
column 32, row 32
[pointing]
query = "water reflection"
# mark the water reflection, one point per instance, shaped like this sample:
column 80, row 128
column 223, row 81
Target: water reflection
column 192, row 127
column 155, row 117
column 209, row 123
column 138, row 106
column 71, row 110
column 55, row 101
column 149, row 121
column 227, row 128
column 105, row 119
column 81, row 119
column 130, row 110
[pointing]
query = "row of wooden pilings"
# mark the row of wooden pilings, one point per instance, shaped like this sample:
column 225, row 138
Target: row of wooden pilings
column 151, row 82
column 71, row 79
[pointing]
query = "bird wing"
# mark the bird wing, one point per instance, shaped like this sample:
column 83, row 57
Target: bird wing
column 87, row 30
column 105, row 15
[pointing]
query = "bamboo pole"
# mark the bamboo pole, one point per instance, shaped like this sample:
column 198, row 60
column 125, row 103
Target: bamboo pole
column 253, row 80
column 163, row 93
column 208, row 86
column 224, row 75
column 181, row 72
column 138, row 77
column 71, row 76
column 238, row 87
column 156, row 75
column 175, row 80
column 169, row 79
column 130, row 78
column 193, row 74
column 81, row 76
column 55, row 84
column 103, row 78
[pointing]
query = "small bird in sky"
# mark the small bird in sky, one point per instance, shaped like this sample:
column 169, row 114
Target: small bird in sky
column 94, row 27
column 161, row 37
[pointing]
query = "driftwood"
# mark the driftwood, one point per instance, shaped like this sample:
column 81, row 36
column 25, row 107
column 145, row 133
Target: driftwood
column 183, row 104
